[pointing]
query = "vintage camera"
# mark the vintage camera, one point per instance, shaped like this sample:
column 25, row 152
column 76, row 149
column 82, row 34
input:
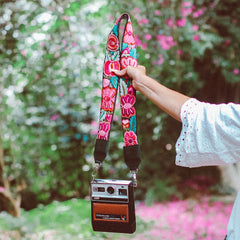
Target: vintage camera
column 112, row 205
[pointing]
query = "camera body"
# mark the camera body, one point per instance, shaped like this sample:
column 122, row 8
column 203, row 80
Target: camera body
column 112, row 205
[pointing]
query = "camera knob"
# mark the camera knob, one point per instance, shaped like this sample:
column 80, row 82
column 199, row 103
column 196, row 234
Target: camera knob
column 110, row 190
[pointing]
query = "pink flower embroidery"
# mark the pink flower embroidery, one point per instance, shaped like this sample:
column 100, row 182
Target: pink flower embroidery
column 128, row 61
column 130, row 138
column 112, row 43
column 103, row 130
column 127, row 103
column 125, row 123
column 108, row 98
column 106, row 82
column 130, row 90
column 109, row 117
column 128, row 36
column 125, row 52
column 110, row 65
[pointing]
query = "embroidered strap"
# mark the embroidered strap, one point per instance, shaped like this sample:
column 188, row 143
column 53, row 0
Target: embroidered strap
column 118, row 56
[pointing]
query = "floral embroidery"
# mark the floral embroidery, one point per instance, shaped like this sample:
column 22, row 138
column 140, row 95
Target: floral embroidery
column 117, row 58
column 108, row 99
column 131, row 90
column 128, row 61
column 125, row 123
column 127, row 103
column 109, row 117
column 103, row 130
column 106, row 82
column 110, row 65
column 130, row 138
column 128, row 36
column 112, row 43
column 125, row 52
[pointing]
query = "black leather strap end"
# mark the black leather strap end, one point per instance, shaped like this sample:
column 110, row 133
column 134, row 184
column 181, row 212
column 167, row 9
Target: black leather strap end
column 132, row 156
column 101, row 150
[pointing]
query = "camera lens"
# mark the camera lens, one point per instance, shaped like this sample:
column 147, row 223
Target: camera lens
column 110, row 190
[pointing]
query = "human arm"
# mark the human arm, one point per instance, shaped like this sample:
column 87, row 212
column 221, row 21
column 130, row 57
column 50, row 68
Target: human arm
column 167, row 99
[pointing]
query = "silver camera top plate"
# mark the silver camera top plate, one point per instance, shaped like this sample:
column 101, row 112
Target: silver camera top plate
column 110, row 189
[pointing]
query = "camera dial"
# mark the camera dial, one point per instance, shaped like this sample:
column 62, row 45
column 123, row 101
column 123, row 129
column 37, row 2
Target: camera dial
column 110, row 190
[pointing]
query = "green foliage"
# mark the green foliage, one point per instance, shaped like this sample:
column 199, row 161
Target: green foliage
column 161, row 191
column 59, row 220
column 51, row 68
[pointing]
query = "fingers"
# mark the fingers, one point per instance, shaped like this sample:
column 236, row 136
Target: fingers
column 120, row 72
column 142, row 68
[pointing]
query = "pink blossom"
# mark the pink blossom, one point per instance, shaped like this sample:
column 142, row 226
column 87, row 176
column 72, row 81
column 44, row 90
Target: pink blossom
column 137, row 10
column 195, row 27
column 170, row 22
column 64, row 42
column 196, row 15
column 115, row 118
column 143, row 21
column 94, row 126
column 111, row 17
column 24, row 53
column 181, row 22
column 185, row 12
column 60, row 94
column 137, row 40
column 227, row 42
column 160, row 60
column 143, row 46
column 66, row 17
column 187, row 4
column 74, row 44
column 148, row 36
column 99, row 92
column 236, row 71
column 57, row 54
column 186, row 219
column 196, row 37
column 54, row 117
column 179, row 52
column 166, row 42
column 200, row 12
column 2, row 189
column 158, row 13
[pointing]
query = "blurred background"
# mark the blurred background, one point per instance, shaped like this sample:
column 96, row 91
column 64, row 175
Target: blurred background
column 52, row 55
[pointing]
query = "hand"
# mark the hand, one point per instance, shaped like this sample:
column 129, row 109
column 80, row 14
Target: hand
column 135, row 73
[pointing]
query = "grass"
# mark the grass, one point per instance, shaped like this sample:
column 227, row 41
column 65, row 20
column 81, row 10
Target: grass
column 57, row 221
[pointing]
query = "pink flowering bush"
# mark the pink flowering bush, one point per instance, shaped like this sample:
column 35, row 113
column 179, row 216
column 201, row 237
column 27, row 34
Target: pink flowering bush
column 185, row 220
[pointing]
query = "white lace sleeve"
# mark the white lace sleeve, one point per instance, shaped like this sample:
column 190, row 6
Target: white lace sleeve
column 210, row 134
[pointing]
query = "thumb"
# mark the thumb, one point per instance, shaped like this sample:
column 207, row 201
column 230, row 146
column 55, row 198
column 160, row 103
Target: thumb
column 120, row 73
